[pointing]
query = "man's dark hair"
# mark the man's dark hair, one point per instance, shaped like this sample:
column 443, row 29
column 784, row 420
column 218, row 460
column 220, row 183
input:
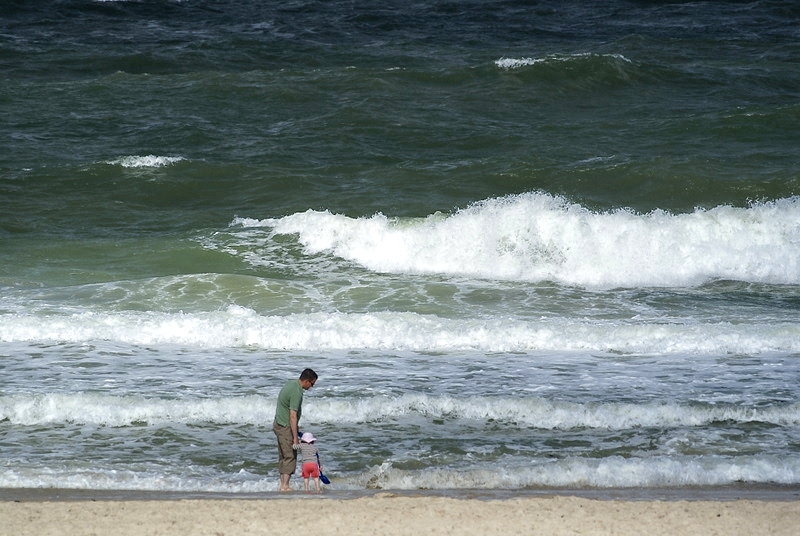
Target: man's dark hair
column 309, row 375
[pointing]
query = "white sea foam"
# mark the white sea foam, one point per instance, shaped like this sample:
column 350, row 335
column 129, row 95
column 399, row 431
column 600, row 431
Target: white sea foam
column 148, row 161
column 538, row 237
column 96, row 477
column 574, row 473
column 547, row 414
column 668, row 466
column 402, row 331
column 609, row 472
column 518, row 63
column 106, row 410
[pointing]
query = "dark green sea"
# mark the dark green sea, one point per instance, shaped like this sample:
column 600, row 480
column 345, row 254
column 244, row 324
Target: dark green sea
column 525, row 244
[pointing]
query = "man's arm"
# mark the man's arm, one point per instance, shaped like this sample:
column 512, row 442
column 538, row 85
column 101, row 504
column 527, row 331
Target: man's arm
column 293, row 425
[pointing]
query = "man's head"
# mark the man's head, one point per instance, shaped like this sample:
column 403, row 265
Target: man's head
column 308, row 378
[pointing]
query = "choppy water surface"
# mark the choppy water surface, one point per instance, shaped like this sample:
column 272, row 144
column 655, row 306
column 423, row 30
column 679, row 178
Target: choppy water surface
column 524, row 244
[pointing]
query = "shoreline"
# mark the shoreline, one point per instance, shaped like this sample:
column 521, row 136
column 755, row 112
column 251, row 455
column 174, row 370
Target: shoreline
column 736, row 492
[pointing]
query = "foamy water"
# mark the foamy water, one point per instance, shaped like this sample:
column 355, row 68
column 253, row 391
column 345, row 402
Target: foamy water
column 146, row 161
column 239, row 327
column 443, row 419
column 538, row 237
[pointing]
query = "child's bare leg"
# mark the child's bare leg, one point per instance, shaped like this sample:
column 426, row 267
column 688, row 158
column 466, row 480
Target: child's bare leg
column 316, row 481
column 305, row 484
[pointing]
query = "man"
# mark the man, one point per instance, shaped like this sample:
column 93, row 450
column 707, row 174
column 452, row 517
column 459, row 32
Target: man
column 285, row 426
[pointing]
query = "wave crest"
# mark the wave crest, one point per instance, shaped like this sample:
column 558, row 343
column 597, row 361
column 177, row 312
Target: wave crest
column 148, row 161
column 537, row 237
column 401, row 331
column 519, row 63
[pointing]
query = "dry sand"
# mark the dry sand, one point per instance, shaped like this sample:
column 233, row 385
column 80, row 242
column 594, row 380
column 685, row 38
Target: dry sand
column 392, row 514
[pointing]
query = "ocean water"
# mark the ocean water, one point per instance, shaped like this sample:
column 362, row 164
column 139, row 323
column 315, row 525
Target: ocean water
column 525, row 244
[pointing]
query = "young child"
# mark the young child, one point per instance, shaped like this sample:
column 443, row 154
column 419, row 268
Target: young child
column 311, row 467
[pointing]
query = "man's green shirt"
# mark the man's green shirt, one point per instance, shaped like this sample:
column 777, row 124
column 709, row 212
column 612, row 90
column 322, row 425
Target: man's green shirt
column 290, row 397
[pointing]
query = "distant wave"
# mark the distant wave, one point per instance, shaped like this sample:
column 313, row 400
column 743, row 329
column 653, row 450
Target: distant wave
column 579, row 72
column 148, row 161
column 538, row 237
column 402, row 331
column 518, row 63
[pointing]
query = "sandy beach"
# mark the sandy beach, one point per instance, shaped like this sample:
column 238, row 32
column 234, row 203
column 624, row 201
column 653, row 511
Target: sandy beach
column 396, row 514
